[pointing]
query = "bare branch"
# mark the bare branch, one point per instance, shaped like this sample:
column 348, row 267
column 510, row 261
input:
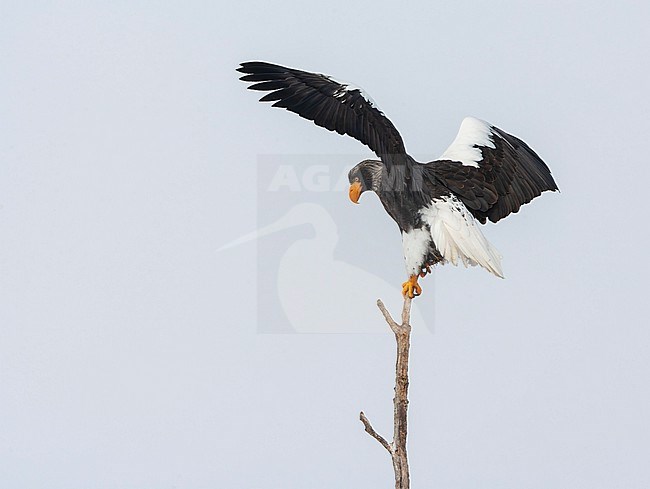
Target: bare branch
column 397, row 448
column 406, row 313
column 391, row 322
column 371, row 431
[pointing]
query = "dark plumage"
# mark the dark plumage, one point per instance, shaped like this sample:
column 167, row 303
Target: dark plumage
column 485, row 174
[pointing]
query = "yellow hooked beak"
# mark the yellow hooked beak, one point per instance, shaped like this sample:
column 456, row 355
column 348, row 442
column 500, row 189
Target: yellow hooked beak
column 355, row 192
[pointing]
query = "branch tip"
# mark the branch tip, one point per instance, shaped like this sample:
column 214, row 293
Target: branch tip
column 406, row 313
column 371, row 431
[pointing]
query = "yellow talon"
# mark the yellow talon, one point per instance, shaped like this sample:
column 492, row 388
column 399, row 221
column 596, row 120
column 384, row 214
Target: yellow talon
column 411, row 288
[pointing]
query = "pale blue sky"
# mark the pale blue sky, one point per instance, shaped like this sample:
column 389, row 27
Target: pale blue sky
column 130, row 348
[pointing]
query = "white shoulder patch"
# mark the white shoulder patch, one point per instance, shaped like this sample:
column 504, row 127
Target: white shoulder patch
column 473, row 132
column 457, row 236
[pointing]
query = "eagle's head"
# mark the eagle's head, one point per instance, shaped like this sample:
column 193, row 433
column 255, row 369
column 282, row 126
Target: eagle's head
column 364, row 176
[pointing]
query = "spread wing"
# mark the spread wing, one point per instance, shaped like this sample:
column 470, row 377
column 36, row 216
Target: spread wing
column 336, row 106
column 491, row 171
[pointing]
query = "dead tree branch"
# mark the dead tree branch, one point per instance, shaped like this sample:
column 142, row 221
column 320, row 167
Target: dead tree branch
column 397, row 448
column 371, row 431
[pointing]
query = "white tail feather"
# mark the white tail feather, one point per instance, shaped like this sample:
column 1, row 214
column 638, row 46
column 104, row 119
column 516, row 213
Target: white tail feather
column 457, row 237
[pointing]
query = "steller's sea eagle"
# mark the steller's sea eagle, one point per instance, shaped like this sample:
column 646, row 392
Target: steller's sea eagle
column 486, row 173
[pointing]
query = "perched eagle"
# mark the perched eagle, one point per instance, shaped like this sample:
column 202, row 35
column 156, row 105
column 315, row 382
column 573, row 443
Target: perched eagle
column 486, row 173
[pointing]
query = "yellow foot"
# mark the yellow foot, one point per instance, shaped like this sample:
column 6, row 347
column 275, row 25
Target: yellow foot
column 424, row 270
column 411, row 288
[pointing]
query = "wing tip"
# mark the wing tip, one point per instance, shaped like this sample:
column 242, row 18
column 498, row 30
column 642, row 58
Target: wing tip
column 244, row 66
column 251, row 67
